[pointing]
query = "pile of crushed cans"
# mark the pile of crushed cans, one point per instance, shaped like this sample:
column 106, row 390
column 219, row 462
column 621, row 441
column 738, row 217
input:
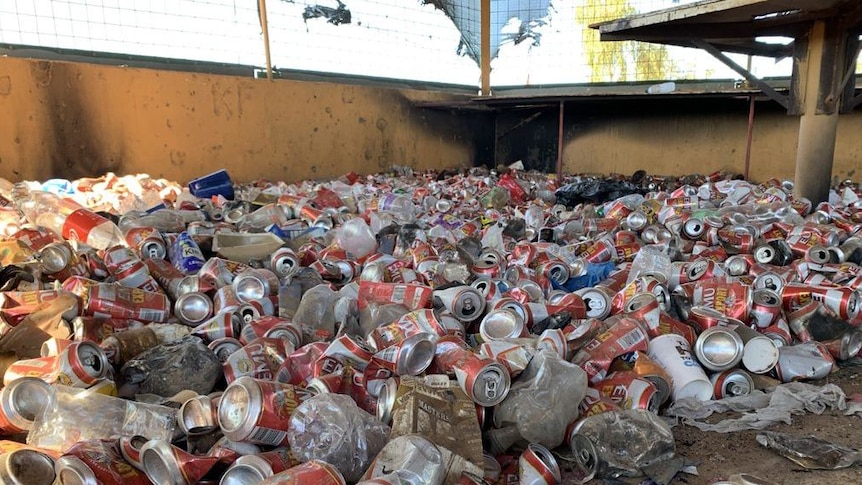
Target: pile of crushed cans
column 467, row 327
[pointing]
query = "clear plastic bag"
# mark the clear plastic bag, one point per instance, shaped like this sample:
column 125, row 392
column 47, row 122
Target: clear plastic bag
column 332, row 428
column 74, row 415
column 541, row 401
column 316, row 309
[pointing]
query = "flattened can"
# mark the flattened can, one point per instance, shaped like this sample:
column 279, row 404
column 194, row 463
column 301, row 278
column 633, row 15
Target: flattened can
column 97, row 462
column 315, row 472
column 166, row 464
column 107, row 300
column 258, row 411
column 21, row 401
column 808, row 360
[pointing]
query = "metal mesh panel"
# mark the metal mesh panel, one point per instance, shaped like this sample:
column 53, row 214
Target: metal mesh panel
column 206, row 30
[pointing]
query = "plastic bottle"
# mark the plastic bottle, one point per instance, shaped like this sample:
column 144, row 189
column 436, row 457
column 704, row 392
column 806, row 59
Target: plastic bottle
column 70, row 219
column 355, row 237
column 267, row 215
column 399, row 205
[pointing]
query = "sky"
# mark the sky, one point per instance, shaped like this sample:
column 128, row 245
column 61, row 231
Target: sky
column 400, row 39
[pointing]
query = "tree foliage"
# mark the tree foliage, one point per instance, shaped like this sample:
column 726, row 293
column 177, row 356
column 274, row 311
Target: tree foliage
column 619, row 61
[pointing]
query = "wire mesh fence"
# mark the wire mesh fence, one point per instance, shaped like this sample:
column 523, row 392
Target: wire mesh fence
column 533, row 42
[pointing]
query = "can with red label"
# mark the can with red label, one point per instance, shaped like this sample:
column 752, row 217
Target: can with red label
column 730, row 383
column 765, row 307
column 629, row 391
column 340, row 351
column 253, row 469
column 98, row 461
column 165, row 463
column 258, row 411
column 113, row 301
column 260, row 359
column 147, row 242
column 485, row 381
column 842, row 301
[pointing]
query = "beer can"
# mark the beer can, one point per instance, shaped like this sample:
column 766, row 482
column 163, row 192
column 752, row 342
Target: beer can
column 224, row 347
column 538, row 466
column 225, row 300
column 258, row 411
column 513, row 356
column 255, row 284
column 185, row 254
column 97, row 462
column 291, row 332
column 193, row 308
column 166, row 464
column 198, row 415
column 597, row 300
column 718, row 348
column 124, row 346
column 730, row 383
column 113, row 301
column 645, row 307
column 147, row 242
column 464, row 302
column 485, row 381
column 82, row 364
column 765, row 307
column 130, row 448
column 629, row 391
column 737, row 265
column 808, row 360
column 501, row 324
column 847, row 345
column 21, row 401
column 410, row 356
column 55, row 257
column 221, row 271
column 260, row 359
column 315, row 472
column 283, row 262
column 252, row 469
column 554, row 339
column 412, row 455
column 26, row 467
column 386, row 399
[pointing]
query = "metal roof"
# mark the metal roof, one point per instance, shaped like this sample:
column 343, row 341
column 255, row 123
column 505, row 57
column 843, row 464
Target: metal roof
column 732, row 25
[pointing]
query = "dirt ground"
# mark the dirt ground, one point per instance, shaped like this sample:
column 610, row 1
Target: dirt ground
column 721, row 455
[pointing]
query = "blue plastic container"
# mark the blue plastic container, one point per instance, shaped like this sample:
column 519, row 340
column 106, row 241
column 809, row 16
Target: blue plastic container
column 216, row 183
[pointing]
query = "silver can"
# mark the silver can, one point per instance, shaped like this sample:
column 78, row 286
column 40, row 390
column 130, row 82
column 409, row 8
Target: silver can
column 71, row 470
column 193, row 308
column 597, row 300
column 258, row 411
column 253, row 469
column 414, row 456
column 719, row 348
column 255, row 284
column 20, row 402
column 283, row 262
column 224, row 347
column 386, row 399
column 198, row 415
column 55, row 257
column 26, row 467
column 82, row 364
column 501, row 324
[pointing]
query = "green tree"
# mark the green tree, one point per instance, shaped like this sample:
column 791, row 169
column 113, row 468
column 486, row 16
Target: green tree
column 619, row 61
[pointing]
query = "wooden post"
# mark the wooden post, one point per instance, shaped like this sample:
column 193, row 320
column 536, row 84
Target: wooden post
column 264, row 25
column 485, row 50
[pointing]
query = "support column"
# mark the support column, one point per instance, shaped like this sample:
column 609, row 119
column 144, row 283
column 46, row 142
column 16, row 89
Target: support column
column 485, row 48
column 818, row 123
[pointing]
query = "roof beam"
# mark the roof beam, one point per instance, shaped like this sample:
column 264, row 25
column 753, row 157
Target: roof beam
column 763, row 85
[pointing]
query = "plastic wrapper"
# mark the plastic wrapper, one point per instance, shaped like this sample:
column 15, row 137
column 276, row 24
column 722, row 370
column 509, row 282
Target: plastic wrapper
column 315, row 309
column 769, row 408
column 73, row 415
column 332, row 428
column 164, row 370
column 649, row 259
column 621, row 443
column 540, row 402
column 373, row 316
column 810, row 452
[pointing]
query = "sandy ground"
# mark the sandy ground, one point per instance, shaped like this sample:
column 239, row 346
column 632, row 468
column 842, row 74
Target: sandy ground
column 723, row 454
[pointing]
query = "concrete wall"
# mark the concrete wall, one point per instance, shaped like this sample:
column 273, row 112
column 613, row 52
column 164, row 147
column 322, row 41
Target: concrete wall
column 668, row 136
column 60, row 119
column 63, row 119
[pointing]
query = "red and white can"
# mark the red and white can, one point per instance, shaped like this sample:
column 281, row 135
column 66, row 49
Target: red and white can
column 315, row 472
column 98, row 461
column 258, row 411
column 485, row 381
column 629, row 391
column 113, row 301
